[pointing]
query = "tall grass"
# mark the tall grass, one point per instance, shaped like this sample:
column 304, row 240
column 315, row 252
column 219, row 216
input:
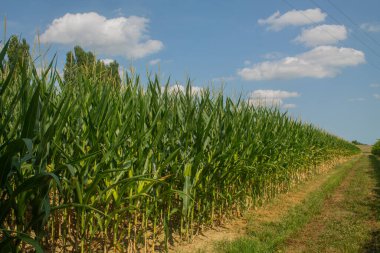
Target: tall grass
column 91, row 165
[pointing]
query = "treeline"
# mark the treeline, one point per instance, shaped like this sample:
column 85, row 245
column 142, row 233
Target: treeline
column 79, row 64
column 84, row 65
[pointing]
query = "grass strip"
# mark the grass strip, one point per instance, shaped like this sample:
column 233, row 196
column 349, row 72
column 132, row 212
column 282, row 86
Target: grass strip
column 348, row 221
column 270, row 235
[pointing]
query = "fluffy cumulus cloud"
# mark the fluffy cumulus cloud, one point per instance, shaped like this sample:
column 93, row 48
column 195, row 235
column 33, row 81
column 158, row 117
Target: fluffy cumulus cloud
column 320, row 62
column 176, row 88
column 271, row 98
column 277, row 21
column 370, row 27
column 322, row 35
column 106, row 61
column 124, row 36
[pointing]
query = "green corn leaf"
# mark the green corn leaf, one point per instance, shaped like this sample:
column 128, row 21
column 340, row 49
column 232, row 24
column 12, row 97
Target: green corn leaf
column 2, row 54
column 31, row 115
column 11, row 150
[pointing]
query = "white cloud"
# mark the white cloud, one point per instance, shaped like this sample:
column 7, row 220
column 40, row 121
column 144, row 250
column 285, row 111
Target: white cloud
column 107, row 61
column 119, row 12
column 374, row 85
column 196, row 90
column 40, row 70
column 154, row 62
column 370, row 27
column 224, row 79
column 320, row 62
column 271, row 98
column 277, row 21
column 377, row 96
column 273, row 55
column 289, row 106
column 122, row 71
column 117, row 36
column 247, row 62
column 322, row 35
column 176, row 88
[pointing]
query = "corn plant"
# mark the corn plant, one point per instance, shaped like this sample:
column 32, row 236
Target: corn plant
column 88, row 165
column 24, row 181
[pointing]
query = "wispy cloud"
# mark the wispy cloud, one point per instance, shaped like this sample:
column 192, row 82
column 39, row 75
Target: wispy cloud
column 124, row 36
column 224, row 79
column 322, row 35
column 374, row 85
column 277, row 21
column 119, row 12
column 154, row 62
column 271, row 98
column 273, row 55
column 289, row 106
column 370, row 27
column 320, row 62
column 377, row 96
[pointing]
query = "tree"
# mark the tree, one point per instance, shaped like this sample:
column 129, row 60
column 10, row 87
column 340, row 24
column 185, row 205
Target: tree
column 376, row 148
column 82, row 64
column 69, row 70
column 113, row 69
column 18, row 51
column 357, row 142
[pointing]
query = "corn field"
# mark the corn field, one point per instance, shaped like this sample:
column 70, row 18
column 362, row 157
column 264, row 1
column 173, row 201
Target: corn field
column 91, row 166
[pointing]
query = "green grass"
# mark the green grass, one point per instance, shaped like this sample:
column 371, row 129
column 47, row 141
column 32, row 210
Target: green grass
column 354, row 223
column 376, row 148
column 320, row 223
column 270, row 236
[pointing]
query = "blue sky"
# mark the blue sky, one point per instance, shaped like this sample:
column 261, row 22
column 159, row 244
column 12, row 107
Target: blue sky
column 318, row 59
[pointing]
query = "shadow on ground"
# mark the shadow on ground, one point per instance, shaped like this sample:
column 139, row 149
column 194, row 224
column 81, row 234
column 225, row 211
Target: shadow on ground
column 373, row 245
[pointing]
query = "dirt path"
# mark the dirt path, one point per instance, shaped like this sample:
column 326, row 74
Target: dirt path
column 270, row 212
column 313, row 230
column 349, row 219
